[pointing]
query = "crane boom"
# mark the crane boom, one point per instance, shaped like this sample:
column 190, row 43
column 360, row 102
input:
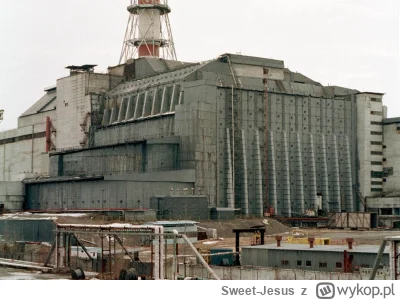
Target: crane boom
column 1, row 114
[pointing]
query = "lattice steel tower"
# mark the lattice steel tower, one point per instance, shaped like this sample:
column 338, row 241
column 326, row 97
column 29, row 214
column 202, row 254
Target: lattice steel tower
column 148, row 32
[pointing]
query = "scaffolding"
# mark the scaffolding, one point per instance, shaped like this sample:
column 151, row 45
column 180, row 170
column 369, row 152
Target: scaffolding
column 120, row 249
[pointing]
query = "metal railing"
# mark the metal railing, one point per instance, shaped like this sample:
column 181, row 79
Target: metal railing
column 162, row 2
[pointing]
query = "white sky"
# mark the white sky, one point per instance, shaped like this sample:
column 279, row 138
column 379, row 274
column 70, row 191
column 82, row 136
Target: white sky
column 350, row 43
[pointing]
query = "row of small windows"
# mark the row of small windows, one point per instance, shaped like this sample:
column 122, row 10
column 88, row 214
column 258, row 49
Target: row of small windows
column 376, row 143
column 23, row 138
column 375, row 174
column 308, row 263
column 376, row 183
column 376, row 113
column 376, row 123
column 376, row 133
column 376, row 153
column 386, row 173
column 376, row 163
column 376, row 190
column 376, row 100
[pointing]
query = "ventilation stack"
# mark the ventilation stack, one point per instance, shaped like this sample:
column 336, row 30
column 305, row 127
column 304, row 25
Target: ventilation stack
column 148, row 33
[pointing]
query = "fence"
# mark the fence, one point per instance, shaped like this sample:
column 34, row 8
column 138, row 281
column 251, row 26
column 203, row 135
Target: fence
column 257, row 273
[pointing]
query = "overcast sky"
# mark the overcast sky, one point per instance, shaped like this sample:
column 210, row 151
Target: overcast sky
column 350, row 43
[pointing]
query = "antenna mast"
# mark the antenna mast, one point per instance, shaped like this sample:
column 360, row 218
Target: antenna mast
column 148, row 33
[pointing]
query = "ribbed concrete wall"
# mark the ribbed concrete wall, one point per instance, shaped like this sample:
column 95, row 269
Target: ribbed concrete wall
column 153, row 156
column 309, row 142
column 310, row 155
column 22, row 153
column 74, row 104
column 139, row 131
column 119, row 193
column 255, row 133
column 370, row 143
column 391, row 153
column 12, row 195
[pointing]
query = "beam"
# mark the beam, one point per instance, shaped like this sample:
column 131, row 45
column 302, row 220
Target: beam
column 83, row 247
column 47, row 261
column 123, row 247
column 201, row 259
column 378, row 260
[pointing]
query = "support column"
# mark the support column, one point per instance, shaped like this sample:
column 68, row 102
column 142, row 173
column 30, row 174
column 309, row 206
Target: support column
column 106, row 117
column 153, row 109
column 122, row 110
column 258, row 173
column 229, row 179
column 180, row 98
column 130, row 109
column 245, row 197
column 56, row 254
column 287, row 205
column 300, row 182
column 114, row 115
column 172, row 108
column 137, row 106
column 313, row 177
column 325, row 182
column 162, row 109
column 146, row 94
column 335, row 204
column 350, row 205
column 272, row 175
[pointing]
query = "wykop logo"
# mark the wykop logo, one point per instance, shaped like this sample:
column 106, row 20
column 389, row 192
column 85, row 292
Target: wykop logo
column 325, row 290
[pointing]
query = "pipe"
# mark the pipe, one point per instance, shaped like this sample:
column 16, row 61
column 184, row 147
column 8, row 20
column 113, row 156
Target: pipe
column 378, row 260
column 278, row 240
column 233, row 149
column 48, row 134
column 349, row 182
column 350, row 243
column 33, row 146
column 174, row 259
column 313, row 179
column 198, row 255
column 287, row 199
column 230, row 186
column 47, row 261
column 300, row 179
column 258, row 171
column 56, row 249
column 271, row 180
column 311, row 240
column 325, row 183
column 82, row 246
column 336, row 201
column 245, row 197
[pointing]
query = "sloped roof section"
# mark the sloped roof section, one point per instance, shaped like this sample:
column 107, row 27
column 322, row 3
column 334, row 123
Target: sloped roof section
column 165, row 78
column 46, row 103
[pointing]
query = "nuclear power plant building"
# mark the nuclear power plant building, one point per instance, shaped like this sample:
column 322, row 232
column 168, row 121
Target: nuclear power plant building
column 237, row 133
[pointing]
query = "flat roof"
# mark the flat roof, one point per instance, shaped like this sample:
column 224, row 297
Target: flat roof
column 81, row 68
column 320, row 248
column 173, row 223
column 389, row 121
column 392, row 238
column 373, row 93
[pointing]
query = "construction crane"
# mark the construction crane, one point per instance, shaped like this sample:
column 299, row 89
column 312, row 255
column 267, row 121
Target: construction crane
column 1, row 115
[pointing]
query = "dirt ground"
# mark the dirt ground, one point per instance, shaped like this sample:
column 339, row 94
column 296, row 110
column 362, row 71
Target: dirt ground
column 226, row 238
